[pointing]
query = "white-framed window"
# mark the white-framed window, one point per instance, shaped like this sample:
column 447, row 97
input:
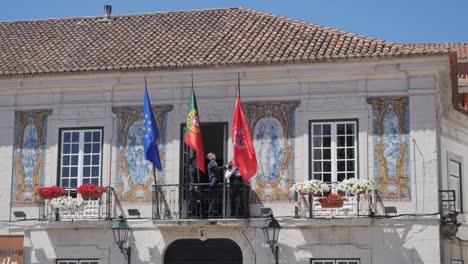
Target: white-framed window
column 335, row 261
column 333, row 150
column 78, row 261
column 80, row 157
column 455, row 174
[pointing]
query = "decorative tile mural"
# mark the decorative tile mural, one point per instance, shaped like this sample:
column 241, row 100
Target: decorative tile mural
column 390, row 121
column 29, row 155
column 134, row 174
column 272, row 128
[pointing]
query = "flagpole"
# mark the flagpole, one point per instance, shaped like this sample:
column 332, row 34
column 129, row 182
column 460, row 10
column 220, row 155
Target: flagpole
column 154, row 177
column 238, row 84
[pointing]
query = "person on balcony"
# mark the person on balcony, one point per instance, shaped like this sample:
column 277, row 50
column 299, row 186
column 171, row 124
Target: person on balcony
column 193, row 190
column 234, row 178
column 213, row 171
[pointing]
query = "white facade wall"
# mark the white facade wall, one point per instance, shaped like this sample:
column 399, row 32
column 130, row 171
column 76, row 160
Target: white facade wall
column 325, row 91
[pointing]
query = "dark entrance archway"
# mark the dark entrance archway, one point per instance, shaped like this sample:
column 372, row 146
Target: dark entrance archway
column 195, row 251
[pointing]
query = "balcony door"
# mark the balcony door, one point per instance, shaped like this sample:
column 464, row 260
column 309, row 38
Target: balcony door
column 214, row 136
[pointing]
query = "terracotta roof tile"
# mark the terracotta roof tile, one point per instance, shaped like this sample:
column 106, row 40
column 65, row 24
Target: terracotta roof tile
column 179, row 39
column 460, row 48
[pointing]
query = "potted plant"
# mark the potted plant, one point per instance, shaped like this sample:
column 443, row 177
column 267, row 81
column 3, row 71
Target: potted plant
column 355, row 186
column 333, row 200
column 66, row 204
column 91, row 191
column 312, row 187
column 50, row 192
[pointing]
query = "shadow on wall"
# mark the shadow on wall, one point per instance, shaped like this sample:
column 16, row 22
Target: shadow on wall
column 372, row 244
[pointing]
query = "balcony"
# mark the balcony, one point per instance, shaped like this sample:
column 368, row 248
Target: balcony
column 308, row 206
column 90, row 209
column 192, row 201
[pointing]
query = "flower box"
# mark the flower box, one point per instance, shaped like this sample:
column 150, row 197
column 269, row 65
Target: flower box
column 333, row 200
column 91, row 191
column 331, row 205
column 50, row 192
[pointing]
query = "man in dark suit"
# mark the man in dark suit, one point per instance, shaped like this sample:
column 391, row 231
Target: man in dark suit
column 192, row 189
column 213, row 174
column 234, row 178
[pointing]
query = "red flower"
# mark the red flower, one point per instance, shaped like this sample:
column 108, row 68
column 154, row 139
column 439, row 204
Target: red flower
column 50, row 192
column 332, row 198
column 89, row 190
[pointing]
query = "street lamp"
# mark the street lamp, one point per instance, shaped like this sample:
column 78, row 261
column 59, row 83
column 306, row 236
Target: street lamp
column 271, row 230
column 120, row 229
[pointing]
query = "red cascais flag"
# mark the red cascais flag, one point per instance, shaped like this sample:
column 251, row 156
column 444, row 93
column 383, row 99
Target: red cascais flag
column 192, row 134
column 244, row 152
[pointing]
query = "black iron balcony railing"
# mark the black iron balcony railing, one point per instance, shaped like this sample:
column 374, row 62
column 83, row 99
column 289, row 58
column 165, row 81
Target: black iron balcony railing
column 178, row 201
column 308, row 206
column 81, row 209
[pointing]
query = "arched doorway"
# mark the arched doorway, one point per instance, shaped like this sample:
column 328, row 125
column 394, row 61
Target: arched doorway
column 195, row 251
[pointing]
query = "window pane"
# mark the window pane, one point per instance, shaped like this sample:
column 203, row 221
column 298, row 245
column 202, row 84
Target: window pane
column 95, row 181
column 96, row 148
column 66, row 160
column 327, row 166
column 326, row 154
column 86, row 160
column 86, row 171
column 87, row 148
column 97, row 136
column 317, row 141
column 327, row 129
column 350, row 166
column 65, row 172
column 317, row 166
column 340, row 153
column 340, row 129
column 65, row 183
column 341, row 176
column 349, row 141
column 95, row 171
column 341, row 141
column 317, row 130
column 95, row 159
column 66, row 148
column 350, row 175
column 350, row 129
column 87, row 137
column 74, row 172
column 75, row 148
column 350, row 153
column 317, row 154
column 73, row 183
column 318, row 176
column 326, row 141
column 76, row 136
column 327, row 177
column 74, row 160
column 66, row 137
column 341, row 166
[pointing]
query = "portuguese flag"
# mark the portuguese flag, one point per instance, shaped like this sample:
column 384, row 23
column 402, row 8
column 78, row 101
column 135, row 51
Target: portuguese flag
column 192, row 133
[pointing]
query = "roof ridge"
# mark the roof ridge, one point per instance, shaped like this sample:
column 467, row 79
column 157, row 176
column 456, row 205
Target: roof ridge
column 125, row 15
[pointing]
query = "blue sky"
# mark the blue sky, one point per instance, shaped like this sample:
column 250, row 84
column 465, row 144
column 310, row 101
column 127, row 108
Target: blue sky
column 391, row 20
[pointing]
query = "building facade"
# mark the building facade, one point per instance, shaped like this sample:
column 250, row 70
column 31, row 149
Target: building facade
column 320, row 104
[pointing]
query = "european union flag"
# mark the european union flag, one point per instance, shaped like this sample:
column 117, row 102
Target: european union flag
column 151, row 134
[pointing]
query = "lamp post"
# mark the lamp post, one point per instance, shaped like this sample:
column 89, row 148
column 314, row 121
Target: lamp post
column 120, row 230
column 271, row 230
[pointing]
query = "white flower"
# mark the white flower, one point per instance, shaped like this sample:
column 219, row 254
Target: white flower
column 355, row 186
column 67, row 204
column 312, row 186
